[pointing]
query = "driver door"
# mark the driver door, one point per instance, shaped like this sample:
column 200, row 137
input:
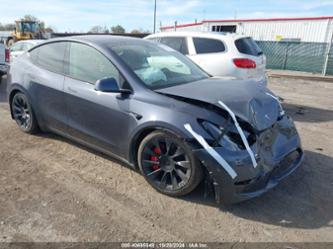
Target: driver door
column 97, row 118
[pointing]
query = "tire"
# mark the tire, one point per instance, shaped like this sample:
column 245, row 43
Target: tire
column 23, row 113
column 168, row 164
column 10, row 42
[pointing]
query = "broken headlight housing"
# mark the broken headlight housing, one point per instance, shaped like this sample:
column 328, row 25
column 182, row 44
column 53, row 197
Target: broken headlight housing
column 227, row 135
column 281, row 111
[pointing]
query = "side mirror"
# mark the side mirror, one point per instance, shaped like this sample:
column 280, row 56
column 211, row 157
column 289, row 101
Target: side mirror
column 110, row 85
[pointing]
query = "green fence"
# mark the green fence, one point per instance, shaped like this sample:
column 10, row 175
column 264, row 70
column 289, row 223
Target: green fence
column 298, row 56
column 329, row 70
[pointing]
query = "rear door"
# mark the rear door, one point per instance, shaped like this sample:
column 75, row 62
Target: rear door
column 210, row 55
column 250, row 49
column 46, row 82
column 97, row 118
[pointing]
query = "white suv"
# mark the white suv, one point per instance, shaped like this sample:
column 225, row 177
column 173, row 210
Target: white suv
column 219, row 54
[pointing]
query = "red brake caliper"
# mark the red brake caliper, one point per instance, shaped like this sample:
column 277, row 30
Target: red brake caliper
column 155, row 159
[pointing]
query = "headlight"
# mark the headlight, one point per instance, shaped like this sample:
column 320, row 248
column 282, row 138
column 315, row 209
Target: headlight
column 227, row 136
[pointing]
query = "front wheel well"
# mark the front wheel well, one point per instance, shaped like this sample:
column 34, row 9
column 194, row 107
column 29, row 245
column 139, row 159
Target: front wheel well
column 138, row 139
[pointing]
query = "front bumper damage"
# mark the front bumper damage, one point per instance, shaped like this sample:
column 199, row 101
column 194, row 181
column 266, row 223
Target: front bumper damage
column 278, row 153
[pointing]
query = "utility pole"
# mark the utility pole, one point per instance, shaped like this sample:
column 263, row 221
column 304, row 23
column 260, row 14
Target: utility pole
column 155, row 17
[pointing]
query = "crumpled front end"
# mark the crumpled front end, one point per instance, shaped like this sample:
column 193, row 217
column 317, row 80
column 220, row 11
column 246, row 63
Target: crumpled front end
column 246, row 141
column 277, row 152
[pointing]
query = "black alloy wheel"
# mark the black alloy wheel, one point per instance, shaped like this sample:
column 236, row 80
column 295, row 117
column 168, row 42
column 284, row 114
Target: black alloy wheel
column 168, row 165
column 23, row 114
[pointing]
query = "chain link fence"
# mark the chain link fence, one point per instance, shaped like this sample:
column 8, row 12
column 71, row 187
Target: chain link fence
column 329, row 70
column 298, row 56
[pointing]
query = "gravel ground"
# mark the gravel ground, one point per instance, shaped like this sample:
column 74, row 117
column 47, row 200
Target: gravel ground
column 52, row 189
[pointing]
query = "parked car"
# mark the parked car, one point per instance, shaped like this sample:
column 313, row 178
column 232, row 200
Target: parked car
column 22, row 46
column 4, row 59
column 153, row 108
column 219, row 54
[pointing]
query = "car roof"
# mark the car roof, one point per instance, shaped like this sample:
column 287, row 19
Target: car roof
column 216, row 35
column 97, row 41
column 100, row 40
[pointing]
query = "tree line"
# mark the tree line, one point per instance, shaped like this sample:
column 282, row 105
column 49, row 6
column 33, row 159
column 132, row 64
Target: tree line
column 118, row 29
column 7, row 27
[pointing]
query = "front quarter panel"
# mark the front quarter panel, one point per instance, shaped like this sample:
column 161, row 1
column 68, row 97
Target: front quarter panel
column 153, row 113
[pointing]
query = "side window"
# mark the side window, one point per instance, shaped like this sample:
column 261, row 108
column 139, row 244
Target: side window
column 88, row 64
column 33, row 54
column 50, row 56
column 206, row 45
column 177, row 43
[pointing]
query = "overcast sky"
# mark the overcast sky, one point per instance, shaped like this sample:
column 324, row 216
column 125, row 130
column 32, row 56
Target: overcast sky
column 81, row 15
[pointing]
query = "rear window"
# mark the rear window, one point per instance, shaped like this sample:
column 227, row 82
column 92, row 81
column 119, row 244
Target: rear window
column 248, row 46
column 205, row 45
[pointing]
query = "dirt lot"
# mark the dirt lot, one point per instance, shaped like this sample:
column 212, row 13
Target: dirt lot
column 54, row 190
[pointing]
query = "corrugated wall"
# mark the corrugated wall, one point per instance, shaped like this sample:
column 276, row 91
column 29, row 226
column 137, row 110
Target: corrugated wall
column 306, row 31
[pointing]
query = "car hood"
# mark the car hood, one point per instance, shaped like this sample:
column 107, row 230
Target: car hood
column 249, row 100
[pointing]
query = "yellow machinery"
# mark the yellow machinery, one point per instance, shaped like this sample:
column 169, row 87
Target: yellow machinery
column 24, row 30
